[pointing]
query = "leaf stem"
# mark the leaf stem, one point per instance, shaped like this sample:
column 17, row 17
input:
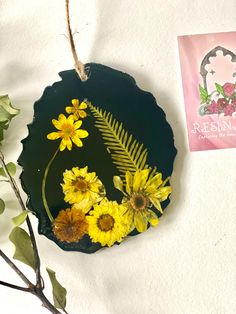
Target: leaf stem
column 31, row 232
column 44, row 198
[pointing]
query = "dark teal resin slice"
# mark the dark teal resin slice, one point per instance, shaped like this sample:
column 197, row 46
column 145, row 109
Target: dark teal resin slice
column 107, row 89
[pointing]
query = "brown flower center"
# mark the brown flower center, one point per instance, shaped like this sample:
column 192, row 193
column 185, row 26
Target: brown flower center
column 81, row 185
column 105, row 222
column 139, row 201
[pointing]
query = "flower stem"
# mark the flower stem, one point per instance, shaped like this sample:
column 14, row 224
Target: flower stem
column 44, row 198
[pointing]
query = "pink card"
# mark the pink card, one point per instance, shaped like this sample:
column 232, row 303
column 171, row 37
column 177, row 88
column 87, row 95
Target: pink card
column 208, row 66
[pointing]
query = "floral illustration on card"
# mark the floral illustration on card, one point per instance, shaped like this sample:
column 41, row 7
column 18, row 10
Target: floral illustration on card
column 218, row 97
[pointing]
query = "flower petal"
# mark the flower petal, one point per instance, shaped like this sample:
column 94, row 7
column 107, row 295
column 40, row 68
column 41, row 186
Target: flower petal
column 57, row 124
column 163, row 193
column 69, row 109
column 140, row 179
column 118, row 184
column 62, row 118
column 77, row 141
column 83, row 105
column 75, row 102
column 152, row 218
column 82, row 133
column 71, row 119
column 129, row 182
column 140, row 222
column 155, row 201
column 63, row 144
column 82, row 114
column 153, row 184
column 69, row 143
column 77, row 124
column 53, row 136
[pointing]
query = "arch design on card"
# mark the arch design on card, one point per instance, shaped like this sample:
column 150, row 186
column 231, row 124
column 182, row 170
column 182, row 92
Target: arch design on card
column 218, row 88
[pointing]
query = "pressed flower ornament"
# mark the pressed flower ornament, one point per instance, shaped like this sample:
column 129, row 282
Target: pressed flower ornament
column 98, row 158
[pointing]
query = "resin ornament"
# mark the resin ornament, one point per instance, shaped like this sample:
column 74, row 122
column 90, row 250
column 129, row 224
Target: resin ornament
column 97, row 160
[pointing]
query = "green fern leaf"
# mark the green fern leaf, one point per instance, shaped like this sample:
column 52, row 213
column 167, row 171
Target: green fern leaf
column 126, row 152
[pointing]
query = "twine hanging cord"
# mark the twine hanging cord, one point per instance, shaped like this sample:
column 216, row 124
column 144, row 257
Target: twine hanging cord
column 79, row 66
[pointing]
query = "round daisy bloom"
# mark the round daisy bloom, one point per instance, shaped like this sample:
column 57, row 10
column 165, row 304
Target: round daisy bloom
column 108, row 223
column 77, row 109
column 70, row 225
column 82, row 188
column 69, row 131
column 141, row 192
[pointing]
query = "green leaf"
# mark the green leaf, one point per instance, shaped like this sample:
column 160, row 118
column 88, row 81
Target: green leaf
column 59, row 292
column 11, row 167
column 220, row 89
column 126, row 152
column 203, row 94
column 20, row 219
column 23, row 246
column 7, row 112
column 2, row 206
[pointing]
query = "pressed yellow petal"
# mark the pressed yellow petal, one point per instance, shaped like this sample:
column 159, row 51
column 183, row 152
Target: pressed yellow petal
column 75, row 102
column 57, row 124
column 71, row 119
column 154, row 183
column 152, row 218
column 118, row 184
column 82, row 114
column 140, row 222
column 77, row 141
column 140, row 179
column 62, row 118
column 163, row 193
column 69, row 143
column 83, row 105
column 53, row 136
column 155, row 201
column 129, row 182
column 63, row 144
column 69, row 109
column 77, row 124
column 81, row 133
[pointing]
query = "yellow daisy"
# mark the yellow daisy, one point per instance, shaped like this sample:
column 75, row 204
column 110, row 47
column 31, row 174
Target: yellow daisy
column 141, row 192
column 68, row 131
column 108, row 223
column 77, row 109
column 70, row 225
column 82, row 188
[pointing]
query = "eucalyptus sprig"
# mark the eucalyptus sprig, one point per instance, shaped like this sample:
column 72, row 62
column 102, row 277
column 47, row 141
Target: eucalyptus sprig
column 26, row 249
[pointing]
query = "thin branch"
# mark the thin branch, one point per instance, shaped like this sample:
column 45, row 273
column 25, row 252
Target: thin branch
column 31, row 232
column 79, row 66
column 9, row 285
column 16, row 269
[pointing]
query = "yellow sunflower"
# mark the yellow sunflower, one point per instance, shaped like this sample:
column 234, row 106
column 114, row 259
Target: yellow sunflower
column 70, row 225
column 141, row 192
column 82, row 188
column 68, row 131
column 108, row 223
column 77, row 109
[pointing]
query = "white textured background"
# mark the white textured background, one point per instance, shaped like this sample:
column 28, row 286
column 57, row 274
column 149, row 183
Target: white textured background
column 187, row 264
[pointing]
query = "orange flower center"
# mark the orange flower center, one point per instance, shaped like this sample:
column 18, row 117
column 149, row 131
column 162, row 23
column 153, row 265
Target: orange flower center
column 81, row 185
column 139, row 202
column 68, row 129
column 105, row 222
